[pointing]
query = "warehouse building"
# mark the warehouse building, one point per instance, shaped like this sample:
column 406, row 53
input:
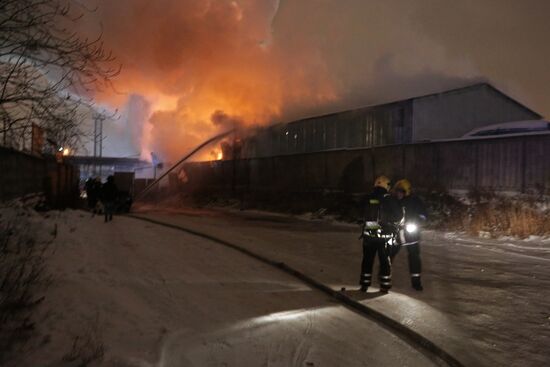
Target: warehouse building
column 446, row 115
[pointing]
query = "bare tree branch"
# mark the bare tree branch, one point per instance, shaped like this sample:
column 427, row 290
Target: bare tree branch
column 44, row 63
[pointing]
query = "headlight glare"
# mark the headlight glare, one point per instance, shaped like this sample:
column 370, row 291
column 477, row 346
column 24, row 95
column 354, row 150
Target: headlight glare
column 411, row 227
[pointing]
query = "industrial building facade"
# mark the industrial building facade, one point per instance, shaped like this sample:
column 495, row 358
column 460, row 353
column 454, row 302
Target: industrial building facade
column 446, row 115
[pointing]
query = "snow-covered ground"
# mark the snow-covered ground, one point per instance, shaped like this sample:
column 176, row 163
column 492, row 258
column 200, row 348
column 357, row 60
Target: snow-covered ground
column 144, row 295
column 485, row 301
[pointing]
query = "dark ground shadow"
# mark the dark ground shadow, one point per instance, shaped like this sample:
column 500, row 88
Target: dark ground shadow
column 357, row 295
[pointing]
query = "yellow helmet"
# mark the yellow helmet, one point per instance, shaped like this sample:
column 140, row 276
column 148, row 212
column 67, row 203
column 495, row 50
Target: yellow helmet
column 403, row 185
column 383, row 182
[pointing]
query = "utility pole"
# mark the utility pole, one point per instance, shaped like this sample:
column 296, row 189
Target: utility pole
column 98, row 140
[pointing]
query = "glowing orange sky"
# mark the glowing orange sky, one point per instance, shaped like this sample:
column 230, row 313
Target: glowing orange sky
column 192, row 58
column 266, row 61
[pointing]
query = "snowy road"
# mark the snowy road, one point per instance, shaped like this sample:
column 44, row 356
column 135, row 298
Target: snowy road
column 153, row 296
column 485, row 301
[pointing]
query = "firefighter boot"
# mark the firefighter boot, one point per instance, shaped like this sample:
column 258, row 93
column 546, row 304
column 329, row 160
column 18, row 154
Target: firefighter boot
column 365, row 282
column 385, row 283
column 416, row 282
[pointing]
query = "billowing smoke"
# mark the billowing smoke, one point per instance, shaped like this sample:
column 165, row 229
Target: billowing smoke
column 124, row 135
column 202, row 66
column 195, row 61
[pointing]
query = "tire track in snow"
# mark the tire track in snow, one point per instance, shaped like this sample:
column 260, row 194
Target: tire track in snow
column 302, row 350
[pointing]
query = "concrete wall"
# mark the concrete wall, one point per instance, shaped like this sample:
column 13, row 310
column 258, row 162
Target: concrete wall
column 22, row 174
column 513, row 164
column 452, row 114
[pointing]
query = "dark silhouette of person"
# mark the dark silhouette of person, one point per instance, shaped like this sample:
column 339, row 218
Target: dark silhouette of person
column 93, row 191
column 381, row 215
column 109, row 193
column 415, row 214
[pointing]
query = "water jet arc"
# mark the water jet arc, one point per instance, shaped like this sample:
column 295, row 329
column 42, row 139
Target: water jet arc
column 187, row 156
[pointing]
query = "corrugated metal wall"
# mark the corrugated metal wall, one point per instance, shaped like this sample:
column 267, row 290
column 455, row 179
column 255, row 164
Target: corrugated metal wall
column 447, row 115
column 366, row 127
column 514, row 164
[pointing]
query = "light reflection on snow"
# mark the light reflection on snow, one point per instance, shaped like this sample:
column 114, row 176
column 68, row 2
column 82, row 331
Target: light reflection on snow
column 285, row 338
column 414, row 313
column 281, row 316
column 255, row 335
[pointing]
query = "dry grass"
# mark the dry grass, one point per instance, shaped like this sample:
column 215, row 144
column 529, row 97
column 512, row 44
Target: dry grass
column 487, row 213
column 24, row 247
column 22, row 279
column 526, row 221
column 507, row 217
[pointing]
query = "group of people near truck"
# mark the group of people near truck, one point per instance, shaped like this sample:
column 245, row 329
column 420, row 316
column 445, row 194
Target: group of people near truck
column 102, row 197
column 392, row 218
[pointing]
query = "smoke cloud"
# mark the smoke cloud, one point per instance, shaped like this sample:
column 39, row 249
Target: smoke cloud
column 202, row 66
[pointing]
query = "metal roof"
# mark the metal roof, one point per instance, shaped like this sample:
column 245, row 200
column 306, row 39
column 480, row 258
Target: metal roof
column 487, row 85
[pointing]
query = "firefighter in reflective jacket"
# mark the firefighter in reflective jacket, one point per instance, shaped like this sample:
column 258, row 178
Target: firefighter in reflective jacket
column 409, row 236
column 382, row 213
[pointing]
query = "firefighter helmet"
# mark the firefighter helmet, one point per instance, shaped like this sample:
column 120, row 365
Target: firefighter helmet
column 383, row 182
column 403, row 185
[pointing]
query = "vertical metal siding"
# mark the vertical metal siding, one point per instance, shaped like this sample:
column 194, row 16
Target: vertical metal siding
column 376, row 126
column 511, row 164
column 500, row 164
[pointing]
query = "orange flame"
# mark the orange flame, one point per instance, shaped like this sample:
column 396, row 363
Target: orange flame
column 194, row 60
column 216, row 154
